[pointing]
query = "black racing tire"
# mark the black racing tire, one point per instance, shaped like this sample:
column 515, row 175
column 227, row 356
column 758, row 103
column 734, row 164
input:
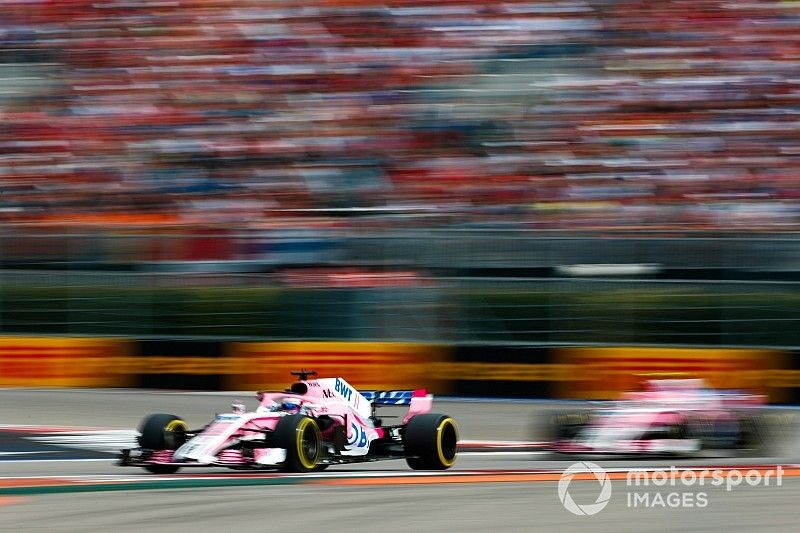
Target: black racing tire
column 300, row 436
column 566, row 425
column 755, row 435
column 161, row 469
column 162, row 432
column 431, row 442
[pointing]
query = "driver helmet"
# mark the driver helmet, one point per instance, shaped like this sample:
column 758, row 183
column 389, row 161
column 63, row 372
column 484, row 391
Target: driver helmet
column 290, row 404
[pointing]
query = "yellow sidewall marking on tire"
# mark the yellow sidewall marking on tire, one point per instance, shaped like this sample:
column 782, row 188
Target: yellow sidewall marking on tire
column 307, row 462
column 439, row 430
column 176, row 424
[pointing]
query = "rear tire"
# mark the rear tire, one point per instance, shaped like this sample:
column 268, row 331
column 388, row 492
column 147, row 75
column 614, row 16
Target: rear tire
column 431, row 442
column 300, row 436
column 755, row 435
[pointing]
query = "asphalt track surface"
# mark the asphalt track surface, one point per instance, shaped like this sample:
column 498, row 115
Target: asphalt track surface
column 508, row 489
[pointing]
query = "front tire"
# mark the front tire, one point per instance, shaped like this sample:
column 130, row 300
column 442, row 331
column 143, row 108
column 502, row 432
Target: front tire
column 162, row 432
column 300, row 436
column 566, row 425
column 161, row 469
column 431, row 442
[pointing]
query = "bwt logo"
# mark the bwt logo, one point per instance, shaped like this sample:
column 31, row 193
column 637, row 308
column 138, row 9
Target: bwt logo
column 588, row 509
column 345, row 391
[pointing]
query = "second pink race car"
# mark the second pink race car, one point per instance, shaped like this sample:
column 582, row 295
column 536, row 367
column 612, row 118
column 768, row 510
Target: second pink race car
column 669, row 416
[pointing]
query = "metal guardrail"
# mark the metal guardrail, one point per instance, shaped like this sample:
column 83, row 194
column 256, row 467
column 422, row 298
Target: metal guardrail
column 465, row 310
column 596, row 311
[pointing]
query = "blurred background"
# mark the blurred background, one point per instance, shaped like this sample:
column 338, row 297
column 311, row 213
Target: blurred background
column 494, row 178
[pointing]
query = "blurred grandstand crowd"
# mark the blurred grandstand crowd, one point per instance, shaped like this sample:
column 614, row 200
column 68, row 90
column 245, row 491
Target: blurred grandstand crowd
column 267, row 113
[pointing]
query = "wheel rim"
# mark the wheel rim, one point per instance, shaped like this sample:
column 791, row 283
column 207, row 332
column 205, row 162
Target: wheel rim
column 175, row 434
column 308, row 443
column 447, row 441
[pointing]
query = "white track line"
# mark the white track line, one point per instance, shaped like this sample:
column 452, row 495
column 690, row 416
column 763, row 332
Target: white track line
column 499, row 442
column 495, row 454
column 21, row 453
column 6, row 461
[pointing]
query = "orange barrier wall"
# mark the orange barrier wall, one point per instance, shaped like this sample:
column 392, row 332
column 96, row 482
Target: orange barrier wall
column 62, row 362
column 603, row 373
column 501, row 371
column 366, row 365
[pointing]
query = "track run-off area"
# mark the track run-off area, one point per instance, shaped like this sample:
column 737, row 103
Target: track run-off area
column 58, row 473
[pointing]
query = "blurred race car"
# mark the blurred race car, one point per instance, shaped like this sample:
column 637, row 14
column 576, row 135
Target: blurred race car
column 669, row 416
column 313, row 424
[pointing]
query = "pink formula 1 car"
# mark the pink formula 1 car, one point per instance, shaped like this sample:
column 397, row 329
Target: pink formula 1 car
column 313, row 424
column 670, row 416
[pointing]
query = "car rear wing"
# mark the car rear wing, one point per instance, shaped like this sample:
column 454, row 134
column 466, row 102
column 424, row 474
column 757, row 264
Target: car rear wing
column 393, row 397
